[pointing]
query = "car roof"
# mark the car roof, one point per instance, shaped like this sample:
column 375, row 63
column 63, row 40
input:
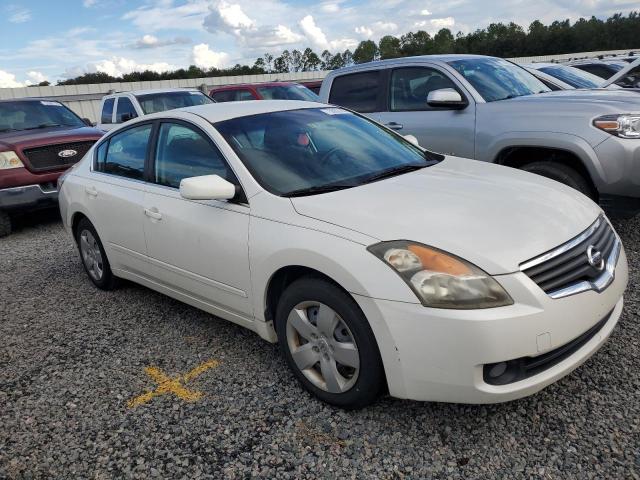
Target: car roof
column 153, row 90
column 30, row 99
column 259, row 84
column 537, row 65
column 401, row 60
column 217, row 112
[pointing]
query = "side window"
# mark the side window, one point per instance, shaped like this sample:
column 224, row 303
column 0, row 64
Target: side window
column 358, row 91
column 101, row 154
column 598, row 70
column 107, row 111
column 127, row 152
column 184, row 152
column 410, row 87
column 224, row 96
column 125, row 110
column 242, row 95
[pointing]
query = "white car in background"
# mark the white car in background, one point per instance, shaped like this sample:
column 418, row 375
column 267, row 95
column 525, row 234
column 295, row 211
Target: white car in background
column 372, row 262
column 118, row 108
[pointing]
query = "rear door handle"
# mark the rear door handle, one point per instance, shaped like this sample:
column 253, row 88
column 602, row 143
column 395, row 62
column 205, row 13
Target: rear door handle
column 153, row 213
column 91, row 191
column 395, row 126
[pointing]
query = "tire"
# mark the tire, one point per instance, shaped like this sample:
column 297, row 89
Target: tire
column 561, row 173
column 5, row 224
column 353, row 384
column 93, row 257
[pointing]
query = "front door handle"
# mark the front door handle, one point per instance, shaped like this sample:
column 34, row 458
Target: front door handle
column 91, row 191
column 395, row 126
column 153, row 213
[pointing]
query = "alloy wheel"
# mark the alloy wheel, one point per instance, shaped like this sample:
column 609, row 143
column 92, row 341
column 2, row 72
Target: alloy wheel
column 91, row 255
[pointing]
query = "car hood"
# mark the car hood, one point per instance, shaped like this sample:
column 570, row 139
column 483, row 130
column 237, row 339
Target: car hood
column 592, row 100
column 495, row 217
column 47, row 136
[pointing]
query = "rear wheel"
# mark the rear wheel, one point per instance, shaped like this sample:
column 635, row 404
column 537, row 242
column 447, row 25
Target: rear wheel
column 93, row 256
column 561, row 173
column 328, row 343
column 5, row 224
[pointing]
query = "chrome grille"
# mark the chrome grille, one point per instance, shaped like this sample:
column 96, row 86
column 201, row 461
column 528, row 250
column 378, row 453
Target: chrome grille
column 47, row 158
column 587, row 262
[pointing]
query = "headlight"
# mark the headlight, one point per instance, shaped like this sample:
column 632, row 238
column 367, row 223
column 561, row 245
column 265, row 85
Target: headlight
column 439, row 279
column 623, row 126
column 9, row 160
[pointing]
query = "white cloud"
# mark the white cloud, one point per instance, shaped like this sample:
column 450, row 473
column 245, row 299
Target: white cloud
column 377, row 29
column 151, row 41
column 330, row 7
column 425, row 12
column 116, row 67
column 204, row 57
column 36, row 77
column 439, row 23
column 8, row 80
column 164, row 15
column 318, row 38
column 89, row 3
column 233, row 16
column 18, row 14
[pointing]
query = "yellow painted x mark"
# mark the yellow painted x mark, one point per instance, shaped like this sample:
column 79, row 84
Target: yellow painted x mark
column 175, row 386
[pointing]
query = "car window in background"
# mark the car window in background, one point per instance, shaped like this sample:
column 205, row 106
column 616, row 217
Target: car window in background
column 573, row 76
column 411, row 86
column 496, row 79
column 125, row 110
column 224, row 96
column 309, row 149
column 30, row 115
column 183, row 152
column 107, row 111
column 243, row 95
column 601, row 70
column 287, row 92
column 357, row 91
column 126, row 153
column 630, row 79
column 162, row 101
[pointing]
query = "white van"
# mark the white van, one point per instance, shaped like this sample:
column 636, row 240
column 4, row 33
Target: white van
column 121, row 107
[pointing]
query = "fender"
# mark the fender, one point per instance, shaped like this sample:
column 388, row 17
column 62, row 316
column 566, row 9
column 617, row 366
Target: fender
column 491, row 147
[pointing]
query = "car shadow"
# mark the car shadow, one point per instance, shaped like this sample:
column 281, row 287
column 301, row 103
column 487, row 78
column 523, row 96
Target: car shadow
column 27, row 220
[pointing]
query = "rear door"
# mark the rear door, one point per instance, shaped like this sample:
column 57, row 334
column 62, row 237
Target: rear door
column 114, row 195
column 445, row 130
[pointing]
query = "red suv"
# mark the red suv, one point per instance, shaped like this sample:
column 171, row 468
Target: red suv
column 39, row 139
column 263, row 91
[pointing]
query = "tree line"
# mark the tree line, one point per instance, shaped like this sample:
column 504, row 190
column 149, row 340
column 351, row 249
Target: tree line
column 617, row 32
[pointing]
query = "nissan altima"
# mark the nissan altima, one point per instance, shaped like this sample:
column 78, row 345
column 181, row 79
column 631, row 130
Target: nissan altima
column 374, row 263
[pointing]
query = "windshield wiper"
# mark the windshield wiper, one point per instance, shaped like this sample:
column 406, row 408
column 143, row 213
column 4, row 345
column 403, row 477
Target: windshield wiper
column 47, row 125
column 392, row 172
column 302, row 192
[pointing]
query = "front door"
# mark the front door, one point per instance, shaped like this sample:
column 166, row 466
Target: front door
column 198, row 248
column 439, row 129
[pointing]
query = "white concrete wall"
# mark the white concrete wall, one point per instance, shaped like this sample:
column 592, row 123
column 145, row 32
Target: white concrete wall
column 85, row 99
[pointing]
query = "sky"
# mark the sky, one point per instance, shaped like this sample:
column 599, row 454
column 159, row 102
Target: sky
column 56, row 39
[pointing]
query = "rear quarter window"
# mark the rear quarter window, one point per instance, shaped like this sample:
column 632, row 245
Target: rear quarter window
column 357, row 91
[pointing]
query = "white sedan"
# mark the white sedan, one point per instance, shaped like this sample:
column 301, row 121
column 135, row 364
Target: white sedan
column 375, row 264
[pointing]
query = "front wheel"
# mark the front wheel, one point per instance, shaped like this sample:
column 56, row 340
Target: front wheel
column 328, row 343
column 561, row 173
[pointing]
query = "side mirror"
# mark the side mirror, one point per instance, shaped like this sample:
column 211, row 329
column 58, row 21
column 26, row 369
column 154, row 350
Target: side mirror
column 207, row 187
column 412, row 139
column 446, row 97
column 87, row 122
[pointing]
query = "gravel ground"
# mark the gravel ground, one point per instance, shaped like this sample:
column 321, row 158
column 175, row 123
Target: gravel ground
column 73, row 356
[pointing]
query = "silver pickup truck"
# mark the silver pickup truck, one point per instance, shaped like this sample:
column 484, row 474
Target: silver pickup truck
column 490, row 109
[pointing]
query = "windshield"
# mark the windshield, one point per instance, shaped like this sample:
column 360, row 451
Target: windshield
column 159, row 102
column 496, row 79
column 309, row 151
column 287, row 92
column 573, row 76
column 29, row 115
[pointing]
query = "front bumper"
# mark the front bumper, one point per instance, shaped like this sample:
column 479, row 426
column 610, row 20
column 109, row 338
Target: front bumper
column 439, row 355
column 28, row 197
column 619, row 183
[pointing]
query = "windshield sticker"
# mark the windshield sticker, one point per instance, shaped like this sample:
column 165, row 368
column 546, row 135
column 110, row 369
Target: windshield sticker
column 50, row 104
column 334, row 111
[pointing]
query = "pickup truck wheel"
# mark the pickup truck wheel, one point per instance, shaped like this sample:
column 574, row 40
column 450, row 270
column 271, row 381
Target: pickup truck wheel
column 561, row 173
column 93, row 257
column 328, row 343
column 5, row 224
